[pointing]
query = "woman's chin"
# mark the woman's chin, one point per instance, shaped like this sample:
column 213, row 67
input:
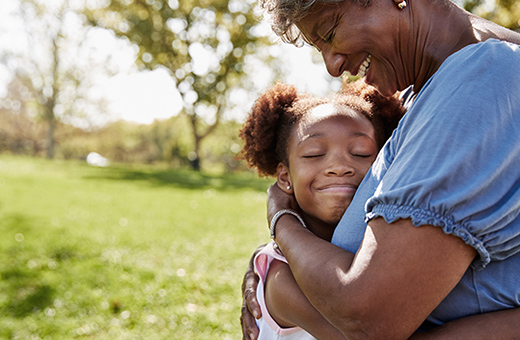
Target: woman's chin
column 383, row 88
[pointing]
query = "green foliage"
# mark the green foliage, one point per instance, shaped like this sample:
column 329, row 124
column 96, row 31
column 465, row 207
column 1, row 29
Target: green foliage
column 52, row 67
column 204, row 44
column 162, row 142
column 123, row 252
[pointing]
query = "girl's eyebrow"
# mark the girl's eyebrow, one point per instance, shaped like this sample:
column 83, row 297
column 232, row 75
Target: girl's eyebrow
column 316, row 135
column 307, row 137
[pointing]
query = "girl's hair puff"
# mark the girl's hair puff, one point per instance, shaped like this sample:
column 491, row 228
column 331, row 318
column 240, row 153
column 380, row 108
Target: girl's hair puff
column 267, row 129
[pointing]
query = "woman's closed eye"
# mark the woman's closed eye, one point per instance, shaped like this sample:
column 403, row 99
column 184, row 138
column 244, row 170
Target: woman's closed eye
column 327, row 38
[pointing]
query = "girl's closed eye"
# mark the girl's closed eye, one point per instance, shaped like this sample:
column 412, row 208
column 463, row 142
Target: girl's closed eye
column 362, row 155
column 313, row 154
column 363, row 149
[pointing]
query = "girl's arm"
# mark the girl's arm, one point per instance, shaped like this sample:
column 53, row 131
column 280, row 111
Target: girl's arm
column 289, row 307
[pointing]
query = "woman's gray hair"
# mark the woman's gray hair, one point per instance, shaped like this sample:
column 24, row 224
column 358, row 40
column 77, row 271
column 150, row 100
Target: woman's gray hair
column 283, row 15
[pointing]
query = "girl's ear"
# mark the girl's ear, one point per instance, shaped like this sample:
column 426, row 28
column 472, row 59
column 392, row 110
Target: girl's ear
column 284, row 179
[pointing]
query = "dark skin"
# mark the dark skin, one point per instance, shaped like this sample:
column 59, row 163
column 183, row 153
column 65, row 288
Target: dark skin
column 329, row 152
column 499, row 325
column 403, row 51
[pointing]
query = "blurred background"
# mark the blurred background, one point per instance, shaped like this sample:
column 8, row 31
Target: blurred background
column 124, row 212
column 139, row 81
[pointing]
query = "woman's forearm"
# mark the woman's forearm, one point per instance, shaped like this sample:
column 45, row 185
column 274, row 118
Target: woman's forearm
column 399, row 275
column 499, row 325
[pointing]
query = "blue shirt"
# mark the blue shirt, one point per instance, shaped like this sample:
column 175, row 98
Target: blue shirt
column 454, row 162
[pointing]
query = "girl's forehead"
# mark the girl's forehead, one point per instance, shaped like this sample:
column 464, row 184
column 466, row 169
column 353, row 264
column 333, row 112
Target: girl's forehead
column 327, row 110
column 339, row 114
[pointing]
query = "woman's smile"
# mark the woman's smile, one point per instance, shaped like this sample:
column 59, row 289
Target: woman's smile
column 363, row 69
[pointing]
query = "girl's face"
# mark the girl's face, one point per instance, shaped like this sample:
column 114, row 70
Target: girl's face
column 330, row 151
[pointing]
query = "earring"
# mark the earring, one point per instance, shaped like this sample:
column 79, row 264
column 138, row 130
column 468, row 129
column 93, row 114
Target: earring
column 288, row 187
column 401, row 4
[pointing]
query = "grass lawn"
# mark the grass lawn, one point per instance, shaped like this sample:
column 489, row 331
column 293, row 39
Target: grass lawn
column 123, row 252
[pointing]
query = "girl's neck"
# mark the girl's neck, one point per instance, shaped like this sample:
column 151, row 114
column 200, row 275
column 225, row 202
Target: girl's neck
column 319, row 227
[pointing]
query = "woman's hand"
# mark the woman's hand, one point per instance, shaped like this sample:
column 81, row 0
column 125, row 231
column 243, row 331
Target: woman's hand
column 278, row 200
column 250, row 306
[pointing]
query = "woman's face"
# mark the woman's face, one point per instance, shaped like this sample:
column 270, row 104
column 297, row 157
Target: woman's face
column 361, row 40
column 330, row 152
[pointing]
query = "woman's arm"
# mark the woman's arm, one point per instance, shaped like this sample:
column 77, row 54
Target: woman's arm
column 399, row 275
column 499, row 325
column 250, row 306
column 289, row 307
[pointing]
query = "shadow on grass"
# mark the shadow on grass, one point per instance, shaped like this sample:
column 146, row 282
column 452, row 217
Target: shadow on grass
column 185, row 178
column 28, row 292
column 26, row 289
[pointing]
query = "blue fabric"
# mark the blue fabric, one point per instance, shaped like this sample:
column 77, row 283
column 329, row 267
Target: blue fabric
column 454, row 162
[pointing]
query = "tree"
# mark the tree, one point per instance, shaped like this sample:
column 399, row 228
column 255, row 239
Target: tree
column 19, row 132
column 53, row 63
column 207, row 45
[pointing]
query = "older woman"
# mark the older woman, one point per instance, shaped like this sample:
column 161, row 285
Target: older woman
column 435, row 225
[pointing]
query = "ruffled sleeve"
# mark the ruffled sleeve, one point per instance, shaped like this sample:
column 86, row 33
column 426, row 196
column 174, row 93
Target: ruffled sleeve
column 454, row 161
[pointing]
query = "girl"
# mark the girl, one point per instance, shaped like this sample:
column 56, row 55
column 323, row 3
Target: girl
column 319, row 149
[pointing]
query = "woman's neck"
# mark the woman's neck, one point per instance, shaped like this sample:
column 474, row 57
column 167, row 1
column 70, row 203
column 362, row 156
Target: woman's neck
column 439, row 30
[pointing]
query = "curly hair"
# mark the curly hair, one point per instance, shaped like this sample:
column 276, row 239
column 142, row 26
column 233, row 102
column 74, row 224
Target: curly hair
column 283, row 15
column 268, row 127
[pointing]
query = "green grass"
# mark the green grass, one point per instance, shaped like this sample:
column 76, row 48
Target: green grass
column 123, row 252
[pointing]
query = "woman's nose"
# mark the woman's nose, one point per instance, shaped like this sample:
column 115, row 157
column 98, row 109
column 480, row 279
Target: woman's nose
column 333, row 61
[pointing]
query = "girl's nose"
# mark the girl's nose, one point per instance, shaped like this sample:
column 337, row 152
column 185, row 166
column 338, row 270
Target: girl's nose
column 339, row 166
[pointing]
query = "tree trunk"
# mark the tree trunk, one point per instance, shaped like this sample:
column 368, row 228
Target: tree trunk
column 50, row 138
column 51, row 102
column 195, row 160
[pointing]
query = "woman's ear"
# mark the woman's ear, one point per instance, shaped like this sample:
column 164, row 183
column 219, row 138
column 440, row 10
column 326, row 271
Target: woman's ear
column 284, row 179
